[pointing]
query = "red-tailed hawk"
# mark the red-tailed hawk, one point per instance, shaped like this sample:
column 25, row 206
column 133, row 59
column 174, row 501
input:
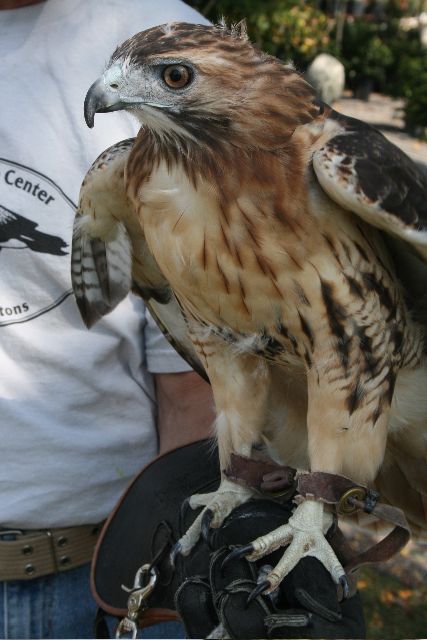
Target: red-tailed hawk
column 282, row 247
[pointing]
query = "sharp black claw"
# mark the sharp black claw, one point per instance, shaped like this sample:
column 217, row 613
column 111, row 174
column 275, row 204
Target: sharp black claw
column 345, row 586
column 176, row 550
column 205, row 526
column 257, row 591
column 239, row 552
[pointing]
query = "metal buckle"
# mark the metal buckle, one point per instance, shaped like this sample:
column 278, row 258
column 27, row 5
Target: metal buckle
column 11, row 532
column 346, row 505
column 279, row 493
column 136, row 603
column 371, row 500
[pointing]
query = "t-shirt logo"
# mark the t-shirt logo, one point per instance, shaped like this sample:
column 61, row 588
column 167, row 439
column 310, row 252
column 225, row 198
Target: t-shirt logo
column 36, row 219
column 16, row 230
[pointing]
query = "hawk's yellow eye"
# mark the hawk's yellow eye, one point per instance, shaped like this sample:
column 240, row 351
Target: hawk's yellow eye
column 176, row 76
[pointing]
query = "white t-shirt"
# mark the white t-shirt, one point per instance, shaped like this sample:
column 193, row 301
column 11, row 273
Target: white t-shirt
column 77, row 407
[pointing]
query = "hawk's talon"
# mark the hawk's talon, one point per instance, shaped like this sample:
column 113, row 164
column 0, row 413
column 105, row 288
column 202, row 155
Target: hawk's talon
column 304, row 535
column 216, row 507
column 176, row 550
column 260, row 588
column 238, row 552
column 343, row 581
column 205, row 525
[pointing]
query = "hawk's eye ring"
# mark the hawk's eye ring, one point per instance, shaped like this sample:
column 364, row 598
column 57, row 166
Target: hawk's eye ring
column 176, row 76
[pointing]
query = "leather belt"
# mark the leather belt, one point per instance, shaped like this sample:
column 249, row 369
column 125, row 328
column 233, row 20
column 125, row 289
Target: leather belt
column 31, row 553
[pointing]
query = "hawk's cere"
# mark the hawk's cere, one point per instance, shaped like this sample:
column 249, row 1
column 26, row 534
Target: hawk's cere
column 282, row 248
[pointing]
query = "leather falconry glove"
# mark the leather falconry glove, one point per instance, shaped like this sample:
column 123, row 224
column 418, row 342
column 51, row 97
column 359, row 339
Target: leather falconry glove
column 226, row 601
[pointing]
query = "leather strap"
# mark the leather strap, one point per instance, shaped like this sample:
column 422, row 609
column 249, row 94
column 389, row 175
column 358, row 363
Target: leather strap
column 29, row 554
column 264, row 475
column 348, row 498
column 341, row 492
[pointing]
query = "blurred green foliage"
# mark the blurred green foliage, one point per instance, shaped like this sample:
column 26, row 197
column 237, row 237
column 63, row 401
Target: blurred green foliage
column 290, row 31
column 376, row 52
column 408, row 79
column 366, row 52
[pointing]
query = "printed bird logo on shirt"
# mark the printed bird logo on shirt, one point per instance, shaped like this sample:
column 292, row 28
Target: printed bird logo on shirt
column 14, row 227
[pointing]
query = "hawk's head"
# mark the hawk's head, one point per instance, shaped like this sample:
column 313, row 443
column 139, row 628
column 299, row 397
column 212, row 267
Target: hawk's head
column 204, row 83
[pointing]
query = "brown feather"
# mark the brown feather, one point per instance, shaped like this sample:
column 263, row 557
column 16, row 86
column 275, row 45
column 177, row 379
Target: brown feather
column 276, row 278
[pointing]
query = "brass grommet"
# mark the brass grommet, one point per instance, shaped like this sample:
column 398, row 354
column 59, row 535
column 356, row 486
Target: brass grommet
column 345, row 505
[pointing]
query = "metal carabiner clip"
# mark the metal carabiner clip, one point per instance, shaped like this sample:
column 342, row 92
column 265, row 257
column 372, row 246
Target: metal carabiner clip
column 138, row 595
column 126, row 626
column 139, row 579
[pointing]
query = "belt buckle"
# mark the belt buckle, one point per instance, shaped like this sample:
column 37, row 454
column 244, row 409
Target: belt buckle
column 11, row 532
column 46, row 532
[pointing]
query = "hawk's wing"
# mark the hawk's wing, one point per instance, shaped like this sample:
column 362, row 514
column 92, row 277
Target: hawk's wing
column 101, row 261
column 365, row 173
column 110, row 256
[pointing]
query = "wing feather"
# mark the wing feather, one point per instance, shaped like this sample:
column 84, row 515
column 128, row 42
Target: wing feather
column 101, row 259
column 365, row 173
column 171, row 322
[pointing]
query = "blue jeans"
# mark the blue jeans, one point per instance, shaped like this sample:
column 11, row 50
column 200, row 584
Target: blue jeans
column 59, row 606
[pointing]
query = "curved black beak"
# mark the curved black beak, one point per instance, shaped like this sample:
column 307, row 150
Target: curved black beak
column 99, row 99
